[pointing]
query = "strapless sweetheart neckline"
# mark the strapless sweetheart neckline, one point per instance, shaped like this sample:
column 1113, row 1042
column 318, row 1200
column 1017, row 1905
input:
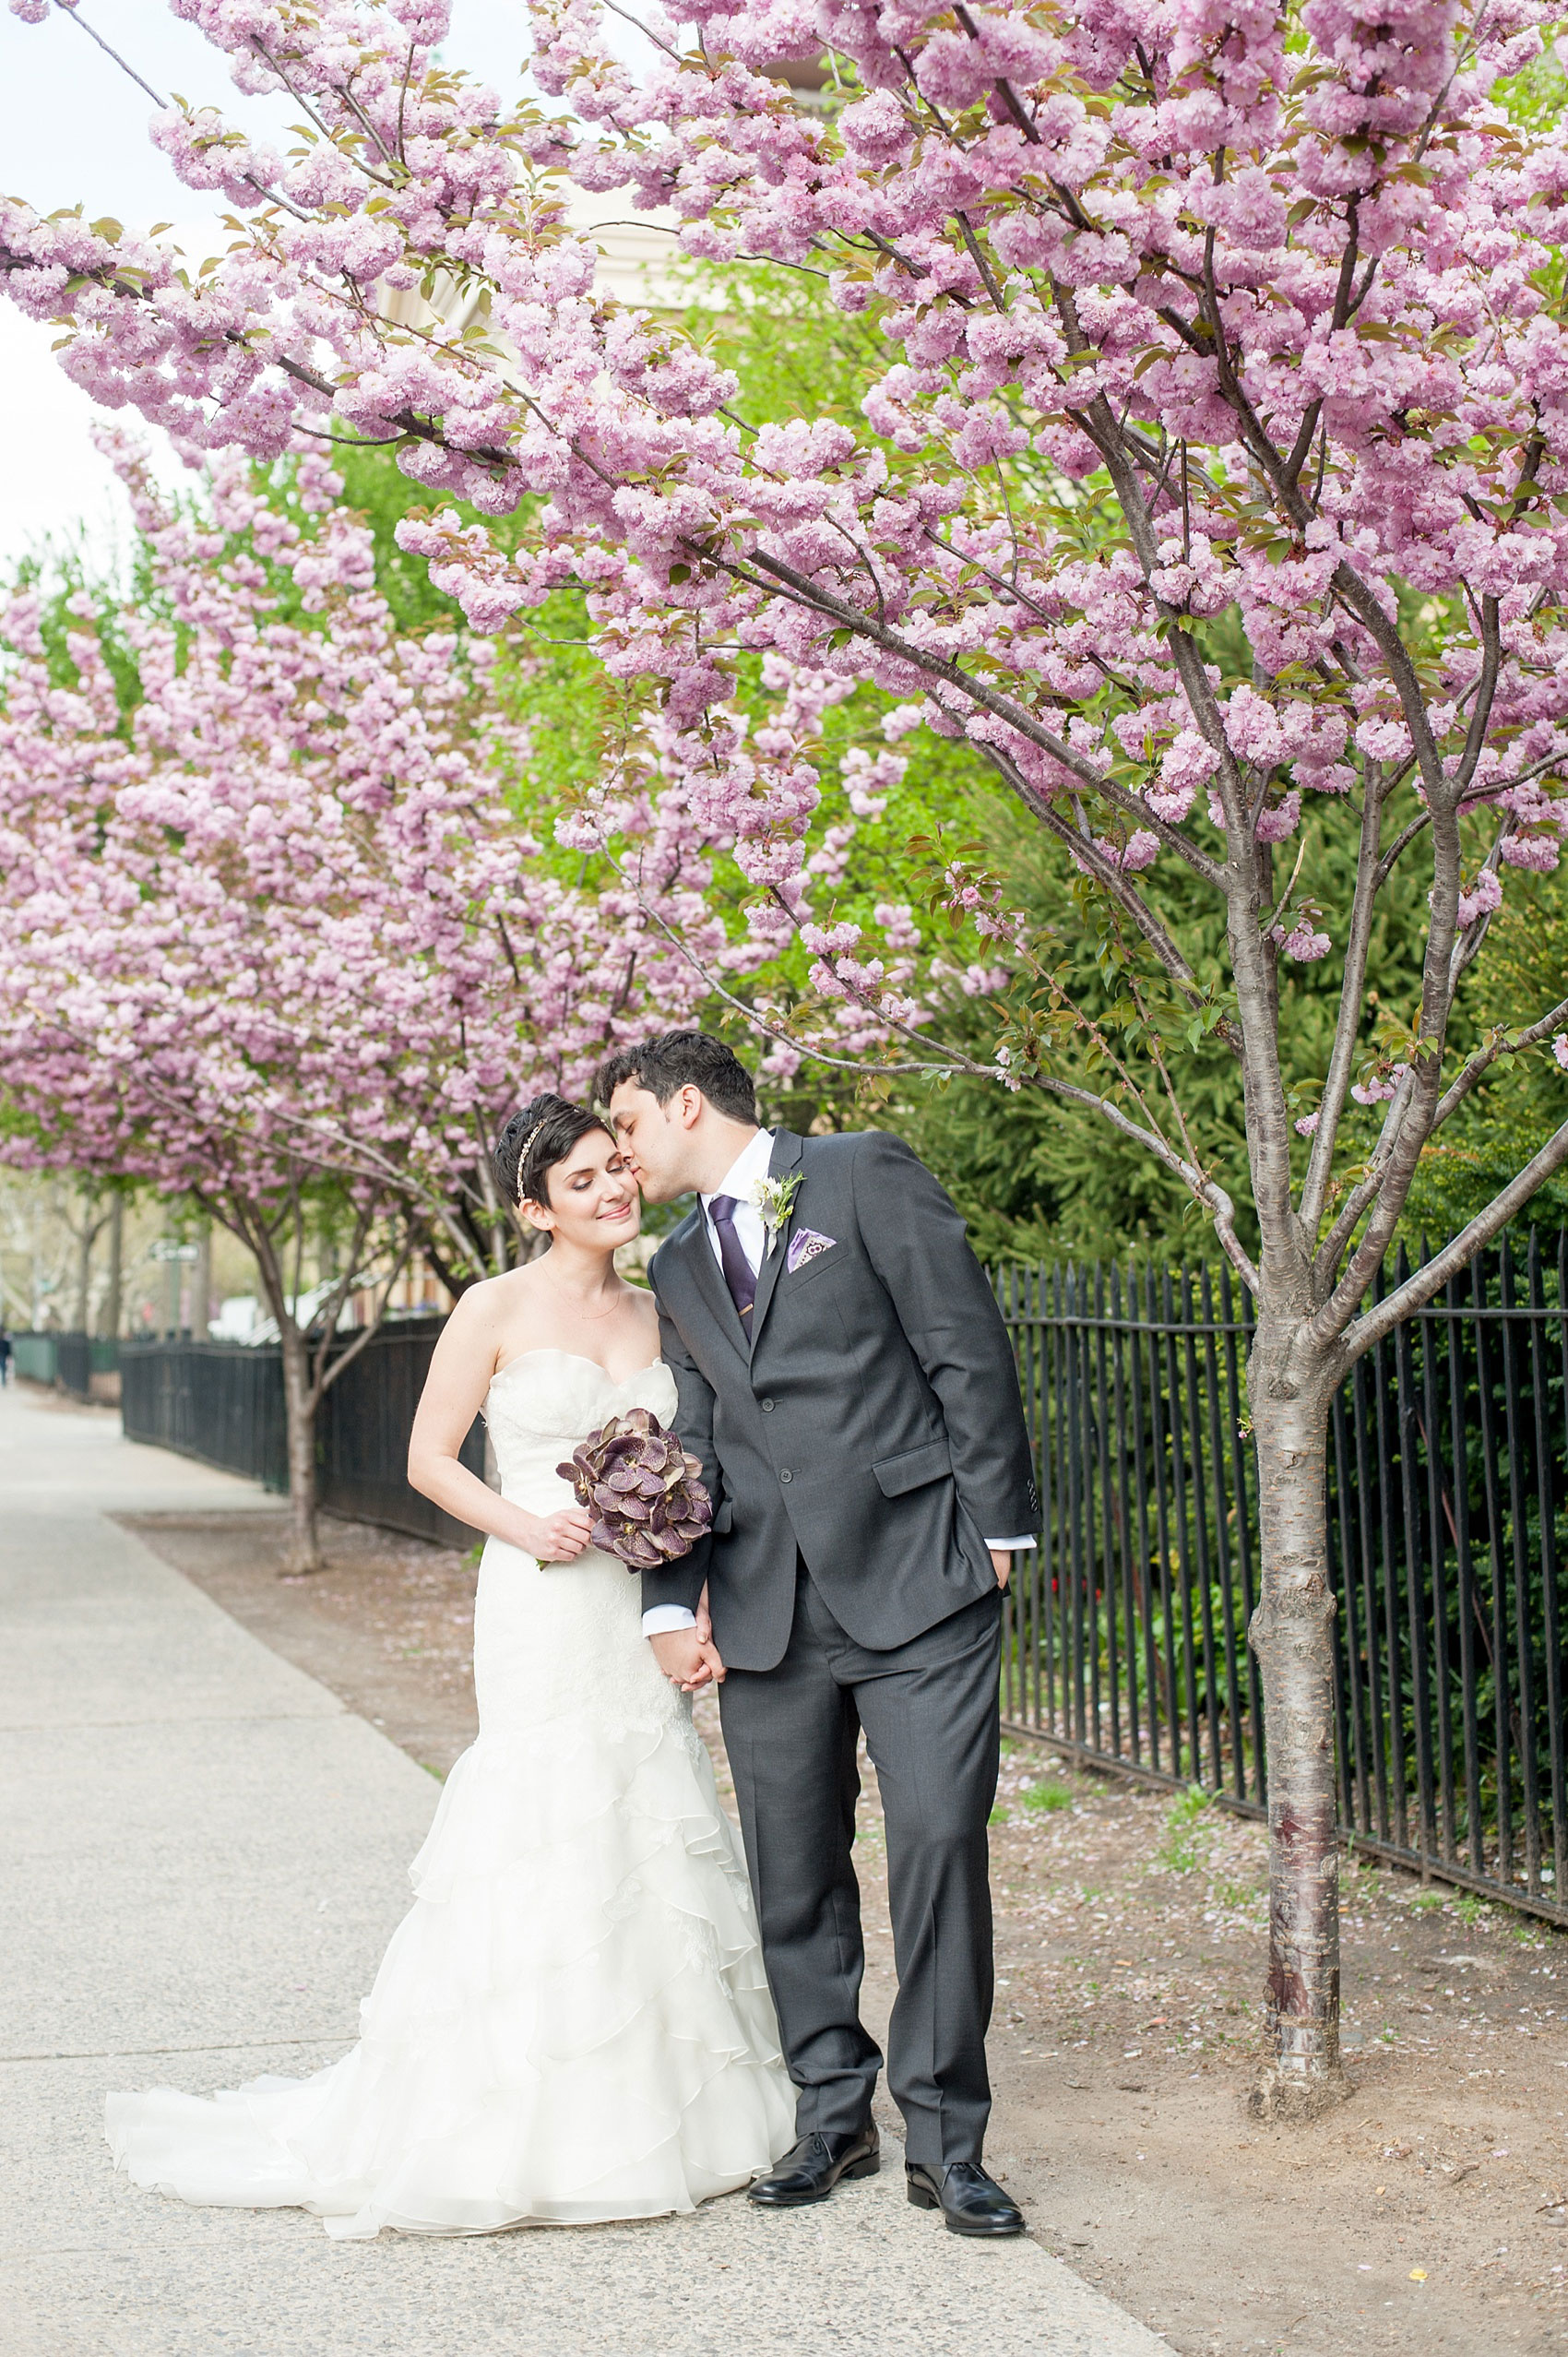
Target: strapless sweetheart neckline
column 617, row 1383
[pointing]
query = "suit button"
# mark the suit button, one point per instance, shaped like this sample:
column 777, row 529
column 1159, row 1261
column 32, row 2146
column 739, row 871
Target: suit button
column 786, row 1475
column 767, row 1407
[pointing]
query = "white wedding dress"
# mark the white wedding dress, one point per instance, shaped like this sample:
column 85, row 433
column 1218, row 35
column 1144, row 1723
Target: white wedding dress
column 571, row 2023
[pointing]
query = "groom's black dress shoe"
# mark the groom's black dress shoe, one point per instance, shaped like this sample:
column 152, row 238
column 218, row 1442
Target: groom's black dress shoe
column 972, row 2202
column 813, row 2167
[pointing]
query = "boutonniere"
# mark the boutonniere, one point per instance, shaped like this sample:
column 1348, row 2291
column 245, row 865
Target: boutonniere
column 774, row 1199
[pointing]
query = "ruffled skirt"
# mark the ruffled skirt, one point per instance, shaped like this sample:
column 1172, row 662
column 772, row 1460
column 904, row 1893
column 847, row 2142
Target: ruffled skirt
column 571, row 2025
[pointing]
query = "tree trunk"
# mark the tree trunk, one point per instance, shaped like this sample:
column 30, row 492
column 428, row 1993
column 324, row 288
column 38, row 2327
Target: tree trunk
column 1292, row 1635
column 85, row 1243
column 201, row 1283
column 110, row 1312
column 299, row 1409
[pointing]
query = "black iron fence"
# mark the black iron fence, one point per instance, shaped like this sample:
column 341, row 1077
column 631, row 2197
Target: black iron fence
column 222, row 1402
column 1448, row 1530
column 1127, row 1631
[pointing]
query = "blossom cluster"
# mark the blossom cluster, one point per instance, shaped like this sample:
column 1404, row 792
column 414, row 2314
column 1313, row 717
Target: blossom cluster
column 1286, row 299
column 281, row 917
column 752, row 791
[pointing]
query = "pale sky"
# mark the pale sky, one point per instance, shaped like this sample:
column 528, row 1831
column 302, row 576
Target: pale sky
column 75, row 130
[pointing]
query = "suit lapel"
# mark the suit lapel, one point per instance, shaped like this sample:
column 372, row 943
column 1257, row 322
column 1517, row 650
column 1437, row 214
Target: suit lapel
column 697, row 1255
column 785, row 1157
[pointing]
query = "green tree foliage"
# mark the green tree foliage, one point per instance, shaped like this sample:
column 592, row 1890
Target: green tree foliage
column 1521, row 1103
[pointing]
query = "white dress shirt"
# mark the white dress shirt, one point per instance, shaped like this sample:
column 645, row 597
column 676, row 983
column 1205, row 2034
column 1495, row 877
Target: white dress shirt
column 749, row 1166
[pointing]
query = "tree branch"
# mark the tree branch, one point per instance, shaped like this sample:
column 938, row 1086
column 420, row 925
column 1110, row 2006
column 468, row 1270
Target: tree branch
column 1469, row 1078
column 1206, row 1191
column 334, row 1367
column 330, row 1308
column 1422, row 1283
column 1336, row 1085
column 1111, row 878
column 823, row 601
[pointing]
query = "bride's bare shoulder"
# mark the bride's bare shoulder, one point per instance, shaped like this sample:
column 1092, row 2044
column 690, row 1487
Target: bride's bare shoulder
column 486, row 1312
column 494, row 1296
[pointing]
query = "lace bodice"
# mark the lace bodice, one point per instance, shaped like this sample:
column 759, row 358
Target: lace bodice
column 543, row 1403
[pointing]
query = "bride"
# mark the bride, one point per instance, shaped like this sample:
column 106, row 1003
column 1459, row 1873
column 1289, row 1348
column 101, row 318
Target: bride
column 572, row 2024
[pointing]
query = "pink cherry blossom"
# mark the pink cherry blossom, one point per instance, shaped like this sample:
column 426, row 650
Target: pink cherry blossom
column 279, row 929
column 1484, row 897
column 1304, row 944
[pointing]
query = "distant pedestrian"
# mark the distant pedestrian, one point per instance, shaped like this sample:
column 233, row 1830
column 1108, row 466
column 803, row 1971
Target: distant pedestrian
column 5, row 1358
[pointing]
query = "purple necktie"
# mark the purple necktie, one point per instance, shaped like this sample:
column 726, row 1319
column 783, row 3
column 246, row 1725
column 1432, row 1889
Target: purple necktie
column 737, row 1267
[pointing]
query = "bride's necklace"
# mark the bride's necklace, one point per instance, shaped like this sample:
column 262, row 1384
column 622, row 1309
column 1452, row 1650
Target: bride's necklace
column 590, row 1316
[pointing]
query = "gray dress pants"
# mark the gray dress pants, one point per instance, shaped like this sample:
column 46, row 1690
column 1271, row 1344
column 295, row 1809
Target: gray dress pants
column 930, row 1713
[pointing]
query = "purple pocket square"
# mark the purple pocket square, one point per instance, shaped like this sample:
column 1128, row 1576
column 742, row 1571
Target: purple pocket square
column 806, row 1244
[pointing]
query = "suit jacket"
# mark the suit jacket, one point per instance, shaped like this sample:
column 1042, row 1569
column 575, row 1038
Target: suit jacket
column 871, row 1420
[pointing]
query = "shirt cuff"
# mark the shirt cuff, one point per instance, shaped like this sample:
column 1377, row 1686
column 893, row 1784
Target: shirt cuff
column 660, row 1618
column 1014, row 1547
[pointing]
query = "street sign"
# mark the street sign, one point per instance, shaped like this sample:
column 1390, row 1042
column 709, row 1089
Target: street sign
column 164, row 1250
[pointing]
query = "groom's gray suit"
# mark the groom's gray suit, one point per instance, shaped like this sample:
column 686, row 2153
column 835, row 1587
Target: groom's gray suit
column 860, row 1442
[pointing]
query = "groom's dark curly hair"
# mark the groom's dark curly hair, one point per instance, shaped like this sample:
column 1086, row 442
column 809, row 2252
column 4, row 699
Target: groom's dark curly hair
column 678, row 1060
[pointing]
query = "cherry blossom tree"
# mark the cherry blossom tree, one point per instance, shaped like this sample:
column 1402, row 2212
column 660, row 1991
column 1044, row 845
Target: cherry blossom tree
column 1212, row 492
column 275, row 941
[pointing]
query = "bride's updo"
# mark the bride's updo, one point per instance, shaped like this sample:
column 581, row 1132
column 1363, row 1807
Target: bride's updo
column 540, row 1134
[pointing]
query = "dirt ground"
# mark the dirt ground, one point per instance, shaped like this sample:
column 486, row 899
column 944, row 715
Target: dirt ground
column 1429, row 2213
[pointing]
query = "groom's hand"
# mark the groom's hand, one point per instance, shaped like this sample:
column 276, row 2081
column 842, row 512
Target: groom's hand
column 687, row 1660
column 1002, row 1564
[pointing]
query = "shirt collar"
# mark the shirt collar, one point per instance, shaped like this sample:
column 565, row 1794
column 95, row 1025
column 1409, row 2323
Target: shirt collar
column 749, row 1165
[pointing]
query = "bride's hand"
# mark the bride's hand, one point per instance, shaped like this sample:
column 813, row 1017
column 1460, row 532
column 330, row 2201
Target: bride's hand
column 555, row 1538
column 705, row 1619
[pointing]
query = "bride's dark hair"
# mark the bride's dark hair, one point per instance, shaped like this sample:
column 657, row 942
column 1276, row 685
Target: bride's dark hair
column 540, row 1134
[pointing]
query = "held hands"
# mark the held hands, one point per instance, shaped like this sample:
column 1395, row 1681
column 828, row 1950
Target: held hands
column 555, row 1537
column 704, row 1634
column 1002, row 1564
column 687, row 1660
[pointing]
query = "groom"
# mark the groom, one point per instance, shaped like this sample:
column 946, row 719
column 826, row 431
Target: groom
column 846, row 1378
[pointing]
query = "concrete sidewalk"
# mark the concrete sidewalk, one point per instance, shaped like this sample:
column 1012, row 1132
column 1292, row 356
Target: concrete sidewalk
column 202, row 1854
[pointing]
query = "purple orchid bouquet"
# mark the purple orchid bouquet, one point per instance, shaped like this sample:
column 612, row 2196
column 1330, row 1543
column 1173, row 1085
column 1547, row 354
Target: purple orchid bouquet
column 649, row 1507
